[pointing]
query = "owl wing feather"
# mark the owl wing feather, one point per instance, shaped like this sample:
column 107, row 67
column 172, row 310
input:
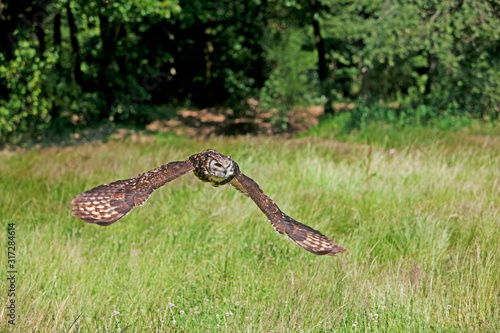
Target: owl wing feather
column 305, row 236
column 107, row 203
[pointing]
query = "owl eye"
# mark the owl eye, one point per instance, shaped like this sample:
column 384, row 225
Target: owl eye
column 217, row 165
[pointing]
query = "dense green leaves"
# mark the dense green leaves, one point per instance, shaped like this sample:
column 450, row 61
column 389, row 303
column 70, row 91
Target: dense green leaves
column 79, row 63
column 27, row 108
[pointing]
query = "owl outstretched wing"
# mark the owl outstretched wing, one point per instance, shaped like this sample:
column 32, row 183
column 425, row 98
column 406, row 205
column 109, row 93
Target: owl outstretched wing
column 107, row 203
column 305, row 236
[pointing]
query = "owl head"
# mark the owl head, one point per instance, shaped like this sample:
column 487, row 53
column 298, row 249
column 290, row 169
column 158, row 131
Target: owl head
column 220, row 166
column 211, row 166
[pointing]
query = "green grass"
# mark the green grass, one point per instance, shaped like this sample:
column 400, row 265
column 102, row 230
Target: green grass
column 400, row 134
column 420, row 218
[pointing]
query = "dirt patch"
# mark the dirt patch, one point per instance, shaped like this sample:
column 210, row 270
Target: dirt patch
column 223, row 121
column 485, row 141
column 214, row 121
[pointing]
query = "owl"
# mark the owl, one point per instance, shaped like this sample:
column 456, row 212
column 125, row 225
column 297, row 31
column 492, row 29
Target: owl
column 107, row 203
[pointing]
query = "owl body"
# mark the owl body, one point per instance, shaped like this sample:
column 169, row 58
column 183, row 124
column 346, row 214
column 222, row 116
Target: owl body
column 212, row 167
column 107, row 203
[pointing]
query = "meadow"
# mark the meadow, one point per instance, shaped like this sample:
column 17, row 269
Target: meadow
column 418, row 209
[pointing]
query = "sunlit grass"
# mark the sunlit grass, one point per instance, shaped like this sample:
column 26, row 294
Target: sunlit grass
column 421, row 222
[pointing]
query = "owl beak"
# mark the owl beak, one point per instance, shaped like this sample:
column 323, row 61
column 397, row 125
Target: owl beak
column 228, row 172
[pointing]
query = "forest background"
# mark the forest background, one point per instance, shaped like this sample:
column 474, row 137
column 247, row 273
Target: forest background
column 66, row 65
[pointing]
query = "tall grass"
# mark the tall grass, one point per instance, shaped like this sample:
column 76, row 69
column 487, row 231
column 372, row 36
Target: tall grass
column 421, row 222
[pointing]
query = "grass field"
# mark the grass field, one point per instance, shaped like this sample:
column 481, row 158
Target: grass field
column 420, row 215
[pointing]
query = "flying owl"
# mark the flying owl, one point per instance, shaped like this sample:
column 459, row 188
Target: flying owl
column 107, row 203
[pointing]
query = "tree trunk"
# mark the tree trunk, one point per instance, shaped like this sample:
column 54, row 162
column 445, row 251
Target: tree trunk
column 320, row 44
column 431, row 64
column 109, row 34
column 57, row 30
column 209, row 49
column 77, row 71
column 40, row 35
column 322, row 65
column 37, row 18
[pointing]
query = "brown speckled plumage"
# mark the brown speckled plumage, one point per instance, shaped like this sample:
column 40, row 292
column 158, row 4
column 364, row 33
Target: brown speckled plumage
column 108, row 203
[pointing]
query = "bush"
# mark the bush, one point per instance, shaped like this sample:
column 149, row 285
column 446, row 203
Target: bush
column 293, row 80
column 27, row 110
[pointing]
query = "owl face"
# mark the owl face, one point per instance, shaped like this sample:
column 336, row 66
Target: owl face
column 213, row 167
column 220, row 168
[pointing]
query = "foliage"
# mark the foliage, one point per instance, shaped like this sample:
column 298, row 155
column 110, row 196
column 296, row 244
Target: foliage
column 437, row 52
column 72, row 63
column 292, row 80
column 26, row 109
